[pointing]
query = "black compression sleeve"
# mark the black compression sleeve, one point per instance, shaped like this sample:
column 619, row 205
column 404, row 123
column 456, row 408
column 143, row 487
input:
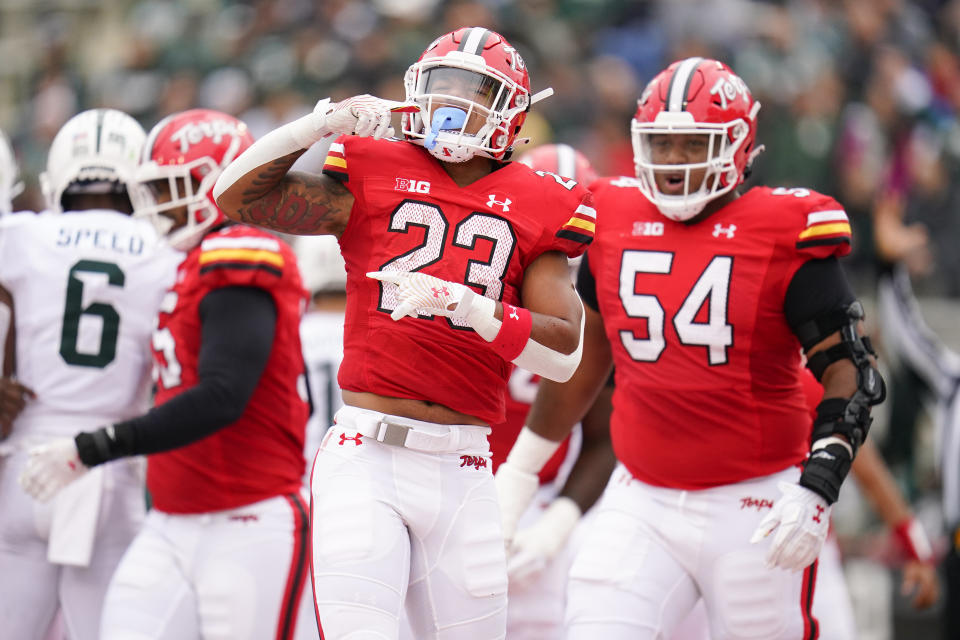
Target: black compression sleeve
column 817, row 288
column 587, row 285
column 238, row 325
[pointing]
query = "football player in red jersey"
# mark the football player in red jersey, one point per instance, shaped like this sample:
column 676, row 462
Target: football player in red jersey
column 702, row 296
column 223, row 552
column 539, row 555
column 440, row 227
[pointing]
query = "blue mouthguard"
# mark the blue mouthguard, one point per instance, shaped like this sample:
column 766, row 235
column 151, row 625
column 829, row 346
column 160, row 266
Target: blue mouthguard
column 444, row 119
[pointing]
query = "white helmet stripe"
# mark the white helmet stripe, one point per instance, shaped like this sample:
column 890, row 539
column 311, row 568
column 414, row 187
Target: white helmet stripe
column 474, row 41
column 680, row 84
column 566, row 161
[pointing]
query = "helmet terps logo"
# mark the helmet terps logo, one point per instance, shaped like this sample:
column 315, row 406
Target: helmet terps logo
column 192, row 133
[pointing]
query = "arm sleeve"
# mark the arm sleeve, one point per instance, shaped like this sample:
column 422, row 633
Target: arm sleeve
column 817, row 288
column 238, row 325
column 586, row 284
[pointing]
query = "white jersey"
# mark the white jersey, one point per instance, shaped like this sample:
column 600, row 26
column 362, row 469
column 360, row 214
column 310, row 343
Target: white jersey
column 86, row 288
column 321, row 334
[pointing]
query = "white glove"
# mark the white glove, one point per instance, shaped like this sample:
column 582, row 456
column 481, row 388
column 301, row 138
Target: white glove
column 51, row 467
column 364, row 115
column 535, row 546
column 422, row 293
column 515, row 490
column 804, row 519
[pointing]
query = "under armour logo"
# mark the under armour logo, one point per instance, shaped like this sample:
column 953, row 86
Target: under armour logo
column 718, row 229
column 820, row 511
column 513, row 313
column 437, row 292
column 354, row 439
column 503, row 204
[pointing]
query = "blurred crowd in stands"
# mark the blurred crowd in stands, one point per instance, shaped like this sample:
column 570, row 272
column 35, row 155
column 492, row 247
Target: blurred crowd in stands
column 860, row 97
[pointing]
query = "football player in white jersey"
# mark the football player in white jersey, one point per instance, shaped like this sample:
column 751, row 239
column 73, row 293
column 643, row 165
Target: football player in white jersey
column 87, row 280
column 321, row 333
column 10, row 186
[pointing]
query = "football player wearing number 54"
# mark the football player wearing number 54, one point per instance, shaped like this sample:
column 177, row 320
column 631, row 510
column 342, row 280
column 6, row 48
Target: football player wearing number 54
column 456, row 267
column 703, row 297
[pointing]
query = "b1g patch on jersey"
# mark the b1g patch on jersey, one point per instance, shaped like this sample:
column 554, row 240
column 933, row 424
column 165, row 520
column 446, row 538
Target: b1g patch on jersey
column 828, row 227
column 335, row 165
column 581, row 225
column 241, row 253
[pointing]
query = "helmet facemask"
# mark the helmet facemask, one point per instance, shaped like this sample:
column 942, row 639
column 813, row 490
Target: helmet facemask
column 162, row 189
column 720, row 172
column 467, row 107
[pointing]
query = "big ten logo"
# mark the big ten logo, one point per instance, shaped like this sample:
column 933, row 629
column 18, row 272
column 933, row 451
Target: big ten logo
column 647, row 228
column 412, row 186
column 728, row 87
column 477, row 462
column 195, row 132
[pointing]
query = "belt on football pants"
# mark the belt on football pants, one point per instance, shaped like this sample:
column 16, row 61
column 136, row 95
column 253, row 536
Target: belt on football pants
column 397, row 431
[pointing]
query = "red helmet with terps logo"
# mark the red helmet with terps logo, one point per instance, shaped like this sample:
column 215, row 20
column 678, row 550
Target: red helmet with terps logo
column 561, row 159
column 695, row 96
column 474, row 93
column 185, row 154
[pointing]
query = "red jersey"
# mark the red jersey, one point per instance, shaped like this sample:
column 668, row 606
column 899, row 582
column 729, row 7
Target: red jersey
column 522, row 389
column 409, row 215
column 708, row 388
column 261, row 454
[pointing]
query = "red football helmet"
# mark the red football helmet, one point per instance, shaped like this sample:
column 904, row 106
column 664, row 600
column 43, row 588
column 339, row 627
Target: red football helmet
column 561, row 159
column 696, row 96
column 474, row 93
column 185, row 154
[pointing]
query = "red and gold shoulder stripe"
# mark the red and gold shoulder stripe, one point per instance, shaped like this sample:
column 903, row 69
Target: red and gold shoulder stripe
column 336, row 163
column 581, row 225
column 825, row 227
column 241, row 253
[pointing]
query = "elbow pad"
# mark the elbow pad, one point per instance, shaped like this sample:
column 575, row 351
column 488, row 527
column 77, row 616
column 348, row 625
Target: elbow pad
column 534, row 357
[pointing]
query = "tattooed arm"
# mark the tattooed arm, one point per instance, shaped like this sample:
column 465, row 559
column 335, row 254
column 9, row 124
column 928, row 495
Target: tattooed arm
column 274, row 197
column 258, row 187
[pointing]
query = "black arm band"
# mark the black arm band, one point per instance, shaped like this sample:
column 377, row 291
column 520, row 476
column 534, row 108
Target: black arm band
column 238, row 326
column 587, row 284
column 825, row 470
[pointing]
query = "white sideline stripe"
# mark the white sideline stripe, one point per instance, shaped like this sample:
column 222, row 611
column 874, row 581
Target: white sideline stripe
column 240, row 243
column 587, row 211
column 825, row 216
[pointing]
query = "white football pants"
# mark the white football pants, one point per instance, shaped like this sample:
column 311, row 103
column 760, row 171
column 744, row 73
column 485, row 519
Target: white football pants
column 394, row 527
column 31, row 587
column 238, row 574
column 650, row 553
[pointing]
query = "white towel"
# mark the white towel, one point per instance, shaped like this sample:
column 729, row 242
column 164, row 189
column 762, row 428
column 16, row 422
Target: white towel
column 76, row 510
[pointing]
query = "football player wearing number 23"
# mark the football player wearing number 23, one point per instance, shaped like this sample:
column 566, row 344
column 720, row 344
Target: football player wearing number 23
column 703, row 297
column 456, row 266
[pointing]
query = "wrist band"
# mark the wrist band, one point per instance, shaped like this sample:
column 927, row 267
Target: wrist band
column 911, row 536
column 514, row 332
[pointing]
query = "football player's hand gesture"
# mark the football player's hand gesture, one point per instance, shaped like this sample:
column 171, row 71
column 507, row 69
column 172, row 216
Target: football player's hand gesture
column 364, row 115
column 803, row 519
column 51, row 467
column 423, row 293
